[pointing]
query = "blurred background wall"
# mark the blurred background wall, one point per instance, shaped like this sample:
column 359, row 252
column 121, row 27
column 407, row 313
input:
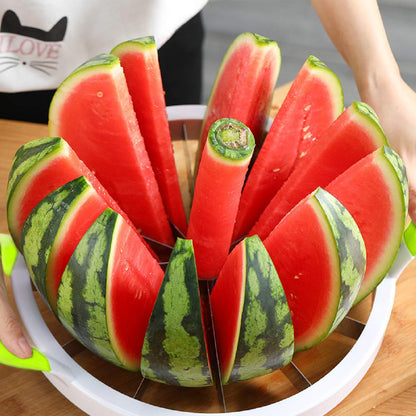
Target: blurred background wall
column 297, row 30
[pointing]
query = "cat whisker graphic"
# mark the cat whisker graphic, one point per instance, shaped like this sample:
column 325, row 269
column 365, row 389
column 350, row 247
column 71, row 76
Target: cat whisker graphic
column 11, row 64
column 11, row 58
column 43, row 67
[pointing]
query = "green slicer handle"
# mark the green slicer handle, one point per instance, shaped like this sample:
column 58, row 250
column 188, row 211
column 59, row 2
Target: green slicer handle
column 8, row 255
column 36, row 362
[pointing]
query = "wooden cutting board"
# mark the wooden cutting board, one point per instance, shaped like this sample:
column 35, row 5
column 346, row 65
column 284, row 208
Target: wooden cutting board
column 389, row 383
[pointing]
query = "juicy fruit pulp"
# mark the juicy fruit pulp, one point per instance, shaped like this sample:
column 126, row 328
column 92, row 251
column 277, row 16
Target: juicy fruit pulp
column 353, row 135
column 319, row 255
column 218, row 187
column 140, row 64
column 93, row 112
column 313, row 102
column 244, row 85
column 253, row 327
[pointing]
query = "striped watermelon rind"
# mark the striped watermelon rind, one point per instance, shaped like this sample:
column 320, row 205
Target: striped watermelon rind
column 42, row 227
column 29, row 158
column 265, row 341
column 396, row 178
column 81, row 300
column 351, row 252
column 174, row 350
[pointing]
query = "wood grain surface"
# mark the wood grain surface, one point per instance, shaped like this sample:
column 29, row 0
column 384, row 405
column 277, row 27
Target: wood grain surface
column 388, row 388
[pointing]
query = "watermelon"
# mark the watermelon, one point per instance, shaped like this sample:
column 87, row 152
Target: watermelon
column 140, row 63
column 217, row 193
column 252, row 321
column 92, row 110
column 320, row 257
column 108, row 291
column 314, row 101
column 243, row 86
column 375, row 192
column 39, row 168
column 353, row 135
column 52, row 231
column 174, row 350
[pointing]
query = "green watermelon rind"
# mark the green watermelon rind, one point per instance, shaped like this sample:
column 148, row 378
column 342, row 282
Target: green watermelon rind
column 351, row 252
column 367, row 118
column 29, row 159
column 82, row 297
column 266, row 336
column 319, row 69
column 237, row 154
column 27, row 156
column 174, row 350
column 395, row 167
column 42, row 227
column 142, row 44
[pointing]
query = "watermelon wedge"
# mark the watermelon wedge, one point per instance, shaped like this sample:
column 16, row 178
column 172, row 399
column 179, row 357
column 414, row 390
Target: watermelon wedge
column 252, row 321
column 353, row 135
column 39, row 168
column 313, row 102
column 375, row 192
column 221, row 175
column 320, row 257
column 92, row 110
column 52, row 231
column 174, row 350
column 244, row 86
column 139, row 60
column 108, row 291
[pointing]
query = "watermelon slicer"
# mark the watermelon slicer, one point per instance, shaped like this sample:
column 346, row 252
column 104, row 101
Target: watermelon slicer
column 96, row 398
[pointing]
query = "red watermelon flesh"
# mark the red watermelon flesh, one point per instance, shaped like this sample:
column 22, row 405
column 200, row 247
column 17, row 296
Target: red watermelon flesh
column 140, row 63
column 134, row 281
column 244, row 85
column 290, row 246
column 353, row 135
column 228, row 311
column 313, row 102
column 320, row 270
column 58, row 167
column 374, row 191
column 92, row 110
column 87, row 210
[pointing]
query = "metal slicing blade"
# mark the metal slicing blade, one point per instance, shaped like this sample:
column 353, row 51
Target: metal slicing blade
column 191, row 182
column 205, row 289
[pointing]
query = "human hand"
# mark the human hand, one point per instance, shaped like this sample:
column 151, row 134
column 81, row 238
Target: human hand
column 395, row 104
column 11, row 334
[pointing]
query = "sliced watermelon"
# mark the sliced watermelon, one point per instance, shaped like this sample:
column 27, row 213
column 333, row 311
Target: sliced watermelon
column 92, row 110
column 252, row 321
column 108, row 291
column 217, row 193
column 174, row 349
column 39, row 168
column 140, row 64
column 313, row 102
column 353, row 135
column 320, row 257
column 244, row 85
column 375, row 192
column 52, row 231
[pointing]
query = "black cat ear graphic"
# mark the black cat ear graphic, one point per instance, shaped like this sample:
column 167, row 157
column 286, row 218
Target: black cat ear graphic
column 11, row 24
